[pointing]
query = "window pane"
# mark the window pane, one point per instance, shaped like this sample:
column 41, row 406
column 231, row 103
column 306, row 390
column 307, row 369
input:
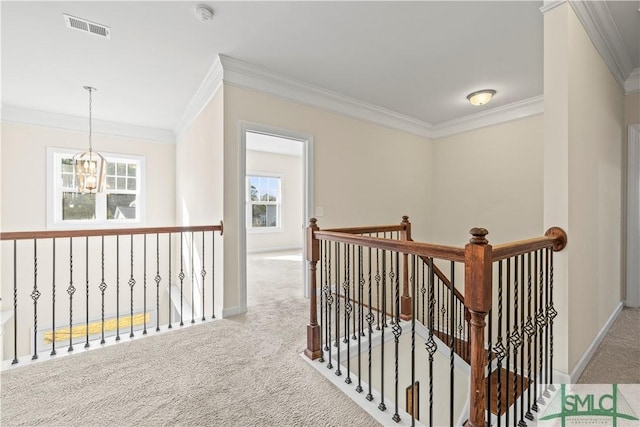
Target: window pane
column 67, row 180
column 131, row 184
column 78, row 206
column 111, row 168
column 111, row 183
column 272, row 216
column 121, row 183
column 259, row 215
column 121, row 206
column 122, row 169
column 67, row 166
column 132, row 169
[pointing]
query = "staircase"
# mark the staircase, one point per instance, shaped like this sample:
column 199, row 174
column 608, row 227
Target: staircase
column 389, row 294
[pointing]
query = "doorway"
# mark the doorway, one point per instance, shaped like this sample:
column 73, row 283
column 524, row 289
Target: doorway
column 275, row 204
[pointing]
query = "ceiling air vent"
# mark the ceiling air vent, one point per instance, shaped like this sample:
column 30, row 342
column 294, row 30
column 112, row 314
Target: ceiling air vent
column 87, row 26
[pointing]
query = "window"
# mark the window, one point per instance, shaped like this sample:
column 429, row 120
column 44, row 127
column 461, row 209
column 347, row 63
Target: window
column 263, row 202
column 120, row 203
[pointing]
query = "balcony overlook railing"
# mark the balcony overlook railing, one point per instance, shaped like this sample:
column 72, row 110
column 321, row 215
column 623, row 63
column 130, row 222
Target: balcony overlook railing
column 65, row 288
column 377, row 297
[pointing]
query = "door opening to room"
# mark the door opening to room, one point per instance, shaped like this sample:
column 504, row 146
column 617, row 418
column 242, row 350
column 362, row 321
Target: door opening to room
column 275, row 209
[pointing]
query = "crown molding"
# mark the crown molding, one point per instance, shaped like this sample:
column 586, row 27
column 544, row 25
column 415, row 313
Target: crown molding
column 494, row 116
column 243, row 74
column 605, row 36
column 29, row 117
column 551, row 4
column 208, row 88
column 632, row 84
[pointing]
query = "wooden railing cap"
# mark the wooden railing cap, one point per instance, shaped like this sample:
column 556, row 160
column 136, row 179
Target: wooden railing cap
column 560, row 237
column 479, row 236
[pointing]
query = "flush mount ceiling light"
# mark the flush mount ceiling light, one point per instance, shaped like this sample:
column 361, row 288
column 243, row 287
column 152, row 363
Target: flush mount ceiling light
column 204, row 13
column 89, row 166
column 481, row 97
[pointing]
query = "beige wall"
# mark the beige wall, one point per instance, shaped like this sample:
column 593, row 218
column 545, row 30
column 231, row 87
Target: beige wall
column 24, row 148
column 583, row 180
column 199, row 179
column 632, row 109
column 364, row 173
column 491, row 178
column 289, row 170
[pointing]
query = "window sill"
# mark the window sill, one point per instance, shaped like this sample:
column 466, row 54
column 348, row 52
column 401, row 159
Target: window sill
column 265, row 230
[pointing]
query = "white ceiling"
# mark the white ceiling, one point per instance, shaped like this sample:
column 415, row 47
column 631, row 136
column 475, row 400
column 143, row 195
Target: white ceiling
column 419, row 59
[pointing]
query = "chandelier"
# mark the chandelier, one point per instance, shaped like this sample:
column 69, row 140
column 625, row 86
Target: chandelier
column 89, row 166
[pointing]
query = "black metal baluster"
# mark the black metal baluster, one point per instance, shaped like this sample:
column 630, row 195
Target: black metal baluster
column 515, row 340
column 157, row 279
column 382, row 406
column 431, row 345
column 423, row 291
column 117, row 287
column 203, row 273
column 86, row 271
column 452, row 340
column 534, row 376
column 360, row 289
column 529, row 330
column 170, row 261
column 397, row 331
column 35, row 294
column 15, row 303
column 354, row 283
column 181, row 277
column 144, row 285
column 541, row 325
column 193, row 283
column 348, row 308
column 546, row 317
column 325, row 299
column 328, row 280
column 522, row 422
column 53, row 300
column 370, row 320
column 508, row 340
column 377, row 277
column 102, row 287
column 337, row 342
column 132, row 283
column 70, row 291
column 489, row 352
column 499, row 349
column 552, row 315
column 213, row 274
column 322, row 302
column 392, row 276
column 414, row 309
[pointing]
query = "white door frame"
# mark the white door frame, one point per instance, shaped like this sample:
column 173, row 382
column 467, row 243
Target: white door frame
column 633, row 217
column 307, row 173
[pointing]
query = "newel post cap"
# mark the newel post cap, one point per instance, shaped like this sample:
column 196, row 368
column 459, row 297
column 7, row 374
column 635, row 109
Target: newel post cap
column 313, row 222
column 479, row 236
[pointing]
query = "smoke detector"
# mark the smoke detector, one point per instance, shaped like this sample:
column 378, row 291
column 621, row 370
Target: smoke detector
column 87, row 26
column 204, row 13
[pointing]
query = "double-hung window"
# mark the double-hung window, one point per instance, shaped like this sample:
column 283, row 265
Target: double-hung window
column 263, row 202
column 121, row 203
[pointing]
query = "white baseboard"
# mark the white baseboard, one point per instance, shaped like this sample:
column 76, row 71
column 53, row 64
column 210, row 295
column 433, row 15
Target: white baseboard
column 586, row 357
column 276, row 249
column 232, row 311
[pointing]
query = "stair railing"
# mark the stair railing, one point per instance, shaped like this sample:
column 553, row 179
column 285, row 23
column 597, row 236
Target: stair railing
column 362, row 267
column 74, row 287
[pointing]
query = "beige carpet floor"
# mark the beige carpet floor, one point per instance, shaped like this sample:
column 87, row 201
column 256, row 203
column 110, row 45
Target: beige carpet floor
column 617, row 359
column 241, row 371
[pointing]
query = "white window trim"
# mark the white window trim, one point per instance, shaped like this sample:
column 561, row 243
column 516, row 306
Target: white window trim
column 54, row 194
column 262, row 230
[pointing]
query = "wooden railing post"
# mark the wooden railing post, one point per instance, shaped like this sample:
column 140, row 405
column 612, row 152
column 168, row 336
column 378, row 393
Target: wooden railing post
column 313, row 350
column 405, row 300
column 478, row 259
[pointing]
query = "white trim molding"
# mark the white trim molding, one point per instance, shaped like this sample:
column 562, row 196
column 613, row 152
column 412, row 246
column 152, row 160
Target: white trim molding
column 588, row 354
column 494, row 116
column 28, row 117
column 605, row 36
column 632, row 84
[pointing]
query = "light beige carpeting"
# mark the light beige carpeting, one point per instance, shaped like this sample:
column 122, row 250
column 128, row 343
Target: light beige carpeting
column 617, row 359
column 242, row 371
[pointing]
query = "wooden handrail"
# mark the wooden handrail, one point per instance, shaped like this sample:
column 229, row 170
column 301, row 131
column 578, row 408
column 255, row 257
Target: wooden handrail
column 448, row 253
column 26, row 235
column 554, row 238
column 369, row 230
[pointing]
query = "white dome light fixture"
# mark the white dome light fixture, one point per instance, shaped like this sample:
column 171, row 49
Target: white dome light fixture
column 203, row 13
column 481, row 97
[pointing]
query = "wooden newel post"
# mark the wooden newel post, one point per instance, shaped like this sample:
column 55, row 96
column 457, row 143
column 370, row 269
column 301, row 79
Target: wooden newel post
column 405, row 299
column 477, row 298
column 313, row 350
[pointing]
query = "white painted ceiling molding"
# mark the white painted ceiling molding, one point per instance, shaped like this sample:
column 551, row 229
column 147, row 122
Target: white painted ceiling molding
column 632, row 84
column 29, row 117
column 605, row 36
column 494, row 116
